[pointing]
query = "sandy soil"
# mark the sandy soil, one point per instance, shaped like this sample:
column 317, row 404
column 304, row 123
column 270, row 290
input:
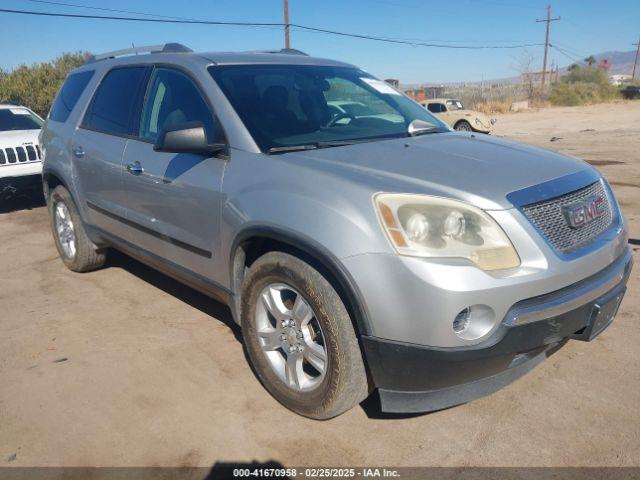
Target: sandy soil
column 125, row 367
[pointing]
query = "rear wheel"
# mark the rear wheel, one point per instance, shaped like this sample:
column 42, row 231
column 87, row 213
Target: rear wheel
column 463, row 126
column 300, row 339
column 76, row 250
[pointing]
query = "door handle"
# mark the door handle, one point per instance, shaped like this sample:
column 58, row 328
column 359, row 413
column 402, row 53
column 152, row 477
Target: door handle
column 78, row 152
column 135, row 168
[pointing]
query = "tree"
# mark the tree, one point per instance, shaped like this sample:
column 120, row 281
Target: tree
column 524, row 66
column 591, row 60
column 36, row 86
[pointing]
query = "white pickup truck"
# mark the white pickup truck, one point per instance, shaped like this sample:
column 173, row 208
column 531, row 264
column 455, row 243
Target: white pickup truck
column 20, row 155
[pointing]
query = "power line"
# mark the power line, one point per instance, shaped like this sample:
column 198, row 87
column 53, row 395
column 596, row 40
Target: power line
column 133, row 12
column 103, row 9
column 422, row 40
column 264, row 24
column 571, row 50
column 562, row 51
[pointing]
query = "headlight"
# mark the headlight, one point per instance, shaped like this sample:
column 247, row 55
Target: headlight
column 434, row 227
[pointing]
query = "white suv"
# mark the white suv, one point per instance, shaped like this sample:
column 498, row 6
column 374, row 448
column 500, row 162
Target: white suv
column 20, row 157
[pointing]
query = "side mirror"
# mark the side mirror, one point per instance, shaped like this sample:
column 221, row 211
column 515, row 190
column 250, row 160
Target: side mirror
column 190, row 137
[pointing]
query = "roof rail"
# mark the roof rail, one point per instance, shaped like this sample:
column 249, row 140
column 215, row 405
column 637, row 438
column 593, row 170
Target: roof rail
column 285, row 51
column 164, row 48
column 293, row 51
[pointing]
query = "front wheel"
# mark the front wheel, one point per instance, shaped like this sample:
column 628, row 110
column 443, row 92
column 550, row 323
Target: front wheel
column 299, row 338
column 463, row 126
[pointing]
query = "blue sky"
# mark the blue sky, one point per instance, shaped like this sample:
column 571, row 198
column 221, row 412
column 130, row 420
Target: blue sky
column 587, row 26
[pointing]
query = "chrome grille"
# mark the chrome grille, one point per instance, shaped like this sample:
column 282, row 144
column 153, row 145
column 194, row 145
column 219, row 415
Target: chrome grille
column 20, row 154
column 548, row 217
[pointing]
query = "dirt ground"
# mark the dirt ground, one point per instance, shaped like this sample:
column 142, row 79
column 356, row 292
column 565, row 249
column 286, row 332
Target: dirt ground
column 125, row 367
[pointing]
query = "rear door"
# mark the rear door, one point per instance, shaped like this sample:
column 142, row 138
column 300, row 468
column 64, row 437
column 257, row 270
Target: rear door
column 99, row 142
column 173, row 200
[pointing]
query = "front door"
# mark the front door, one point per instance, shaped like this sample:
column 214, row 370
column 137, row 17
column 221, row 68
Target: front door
column 173, row 200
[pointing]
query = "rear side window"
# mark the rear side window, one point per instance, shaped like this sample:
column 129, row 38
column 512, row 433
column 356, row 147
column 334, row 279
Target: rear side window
column 436, row 108
column 116, row 103
column 69, row 94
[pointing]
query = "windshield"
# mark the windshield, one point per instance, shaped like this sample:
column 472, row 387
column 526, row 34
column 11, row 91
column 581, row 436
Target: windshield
column 18, row 119
column 297, row 105
column 454, row 105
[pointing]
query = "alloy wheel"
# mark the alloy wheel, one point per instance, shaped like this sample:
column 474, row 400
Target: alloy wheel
column 291, row 337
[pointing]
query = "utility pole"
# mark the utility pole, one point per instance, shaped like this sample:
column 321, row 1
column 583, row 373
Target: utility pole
column 287, row 43
column 635, row 62
column 548, row 21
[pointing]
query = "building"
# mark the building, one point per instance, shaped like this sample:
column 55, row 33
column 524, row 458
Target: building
column 619, row 79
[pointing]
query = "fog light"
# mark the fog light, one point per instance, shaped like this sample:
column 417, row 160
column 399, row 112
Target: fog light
column 474, row 322
column 461, row 322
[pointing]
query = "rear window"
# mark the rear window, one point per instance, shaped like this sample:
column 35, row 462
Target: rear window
column 18, row 118
column 69, row 95
column 117, row 102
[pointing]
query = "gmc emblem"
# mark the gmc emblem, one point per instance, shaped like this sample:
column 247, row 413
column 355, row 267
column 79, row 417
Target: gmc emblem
column 584, row 212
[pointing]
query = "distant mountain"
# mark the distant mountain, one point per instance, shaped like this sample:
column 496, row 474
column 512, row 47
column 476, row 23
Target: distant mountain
column 620, row 63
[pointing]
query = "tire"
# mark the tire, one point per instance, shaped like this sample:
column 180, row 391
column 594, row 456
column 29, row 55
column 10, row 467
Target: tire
column 305, row 390
column 82, row 255
column 463, row 126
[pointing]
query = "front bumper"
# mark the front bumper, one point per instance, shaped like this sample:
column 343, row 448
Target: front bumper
column 414, row 378
column 11, row 185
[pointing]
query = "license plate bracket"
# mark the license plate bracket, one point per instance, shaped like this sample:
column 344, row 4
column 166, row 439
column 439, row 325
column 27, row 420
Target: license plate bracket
column 603, row 312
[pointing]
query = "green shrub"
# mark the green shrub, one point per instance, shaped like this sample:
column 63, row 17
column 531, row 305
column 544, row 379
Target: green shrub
column 36, row 86
column 583, row 85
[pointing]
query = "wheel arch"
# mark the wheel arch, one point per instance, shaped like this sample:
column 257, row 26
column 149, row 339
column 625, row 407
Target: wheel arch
column 50, row 180
column 462, row 120
column 255, row 241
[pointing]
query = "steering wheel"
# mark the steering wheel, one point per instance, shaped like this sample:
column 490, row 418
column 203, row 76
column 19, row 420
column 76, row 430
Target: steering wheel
column 339, row 117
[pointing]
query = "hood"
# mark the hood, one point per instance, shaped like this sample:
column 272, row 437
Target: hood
column 15, row 138
column 477, row 169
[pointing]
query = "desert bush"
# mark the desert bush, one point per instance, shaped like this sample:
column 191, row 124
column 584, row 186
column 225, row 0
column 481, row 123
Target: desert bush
column 492, row 107
column 581, row 86
column 35, row 86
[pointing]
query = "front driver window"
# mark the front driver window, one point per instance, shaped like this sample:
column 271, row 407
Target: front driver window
column 172, row 101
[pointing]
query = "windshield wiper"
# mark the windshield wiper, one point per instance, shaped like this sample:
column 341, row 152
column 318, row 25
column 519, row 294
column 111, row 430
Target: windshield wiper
column 312, row 146
column 336, row 143
column 293, row 148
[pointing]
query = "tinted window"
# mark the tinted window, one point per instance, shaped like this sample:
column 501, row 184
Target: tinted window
column 286, row 106
column 116, row 103
column 68, row 96
column 18, row 119
column 174, row 100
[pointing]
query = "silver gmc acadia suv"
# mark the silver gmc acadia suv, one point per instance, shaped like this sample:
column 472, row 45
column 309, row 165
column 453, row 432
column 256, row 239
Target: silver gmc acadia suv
column 361, row 249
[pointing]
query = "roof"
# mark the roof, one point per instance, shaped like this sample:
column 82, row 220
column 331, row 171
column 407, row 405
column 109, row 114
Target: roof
column 171, row 51
column 438, row 100
column 270, row 58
